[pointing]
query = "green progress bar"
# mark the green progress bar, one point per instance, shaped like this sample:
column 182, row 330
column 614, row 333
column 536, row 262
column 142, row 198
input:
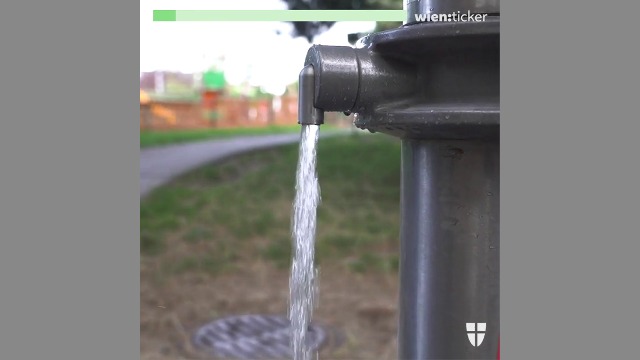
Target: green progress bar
column 279, row 15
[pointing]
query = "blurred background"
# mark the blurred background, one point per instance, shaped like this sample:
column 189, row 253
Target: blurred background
column 215, row 240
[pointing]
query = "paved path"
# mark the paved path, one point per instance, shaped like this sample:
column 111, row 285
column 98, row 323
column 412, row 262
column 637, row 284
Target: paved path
column 160, row 165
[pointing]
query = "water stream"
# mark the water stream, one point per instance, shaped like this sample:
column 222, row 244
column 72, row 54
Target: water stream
column 302, row 283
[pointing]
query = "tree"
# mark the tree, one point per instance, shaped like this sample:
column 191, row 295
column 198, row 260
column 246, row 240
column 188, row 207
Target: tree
column 310, row 29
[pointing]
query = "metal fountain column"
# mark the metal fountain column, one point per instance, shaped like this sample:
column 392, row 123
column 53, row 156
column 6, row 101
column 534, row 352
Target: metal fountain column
column 435, row 85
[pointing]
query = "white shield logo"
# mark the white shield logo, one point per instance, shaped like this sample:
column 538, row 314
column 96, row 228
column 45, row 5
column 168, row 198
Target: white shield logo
column 475, row 333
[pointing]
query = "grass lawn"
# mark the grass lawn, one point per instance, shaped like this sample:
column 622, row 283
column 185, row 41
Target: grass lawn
column 217, row 241
column 157, row 138
column 242, row 207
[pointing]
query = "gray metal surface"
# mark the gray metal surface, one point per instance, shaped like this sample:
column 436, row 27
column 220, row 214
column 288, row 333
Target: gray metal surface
column 346, row 78
column 414, row 7
column 449, row 256
column 457, row 82
column 427, row 81
column 252, row 337
column 436, row 86
column 308, row 114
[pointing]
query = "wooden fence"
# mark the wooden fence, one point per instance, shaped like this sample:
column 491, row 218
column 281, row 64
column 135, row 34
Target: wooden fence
column 229, row 112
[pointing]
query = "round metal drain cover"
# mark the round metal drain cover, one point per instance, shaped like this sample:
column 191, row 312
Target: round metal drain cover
column 252, row 337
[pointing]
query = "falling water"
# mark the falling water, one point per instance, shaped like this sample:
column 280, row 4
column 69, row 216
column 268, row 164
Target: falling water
column 302, row 286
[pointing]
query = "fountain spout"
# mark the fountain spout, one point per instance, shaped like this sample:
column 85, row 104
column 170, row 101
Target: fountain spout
column 352, row 80
column 308, row 114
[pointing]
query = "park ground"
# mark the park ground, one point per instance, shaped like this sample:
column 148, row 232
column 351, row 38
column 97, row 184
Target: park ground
column 216, row 242
column 150, row 138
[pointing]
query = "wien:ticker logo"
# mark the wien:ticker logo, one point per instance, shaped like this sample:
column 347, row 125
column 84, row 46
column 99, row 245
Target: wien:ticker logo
column 451, row 17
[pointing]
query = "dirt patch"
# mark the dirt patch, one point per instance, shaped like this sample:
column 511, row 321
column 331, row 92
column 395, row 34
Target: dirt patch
column 361, row 308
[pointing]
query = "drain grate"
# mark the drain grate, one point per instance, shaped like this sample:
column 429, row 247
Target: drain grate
column 251, row 337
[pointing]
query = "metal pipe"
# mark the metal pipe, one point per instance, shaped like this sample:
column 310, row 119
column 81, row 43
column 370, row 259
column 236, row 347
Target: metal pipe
column 308, row 114
column 449, row 262
column 349, row 80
